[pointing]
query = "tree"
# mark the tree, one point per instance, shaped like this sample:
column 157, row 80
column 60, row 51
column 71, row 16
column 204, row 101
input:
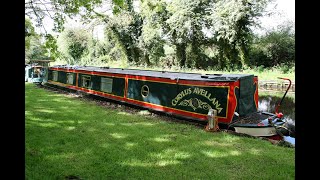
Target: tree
column 58, row 10
column 73, row 45
column 29, row 32
column 126, row 27
column 151, row 41
column 185, row 25
column 202, row 32
column 127, row 30
column 274, row 48
column 231, row 25
column 34, row 47
column 51, row 46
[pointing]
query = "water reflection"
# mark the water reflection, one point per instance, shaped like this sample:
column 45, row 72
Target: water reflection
column 290, row 139
column 269, row 101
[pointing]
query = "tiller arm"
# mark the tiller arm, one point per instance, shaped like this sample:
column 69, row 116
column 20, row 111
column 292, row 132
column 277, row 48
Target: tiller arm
column 277, row 108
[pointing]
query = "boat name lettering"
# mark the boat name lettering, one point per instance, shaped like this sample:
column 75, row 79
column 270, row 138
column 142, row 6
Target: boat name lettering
column 181, row 95
column 198, row 91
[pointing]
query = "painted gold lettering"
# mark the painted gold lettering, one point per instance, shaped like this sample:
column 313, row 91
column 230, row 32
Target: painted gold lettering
column 196, row 90
column 189, row 91
column 208, row 96
column 204, row 92
column 216, row 104
column 174, row 102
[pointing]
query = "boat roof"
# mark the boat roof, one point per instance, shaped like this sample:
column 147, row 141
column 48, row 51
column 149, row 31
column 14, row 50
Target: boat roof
column 160, row 74
column 33, row 66
column 41, row 60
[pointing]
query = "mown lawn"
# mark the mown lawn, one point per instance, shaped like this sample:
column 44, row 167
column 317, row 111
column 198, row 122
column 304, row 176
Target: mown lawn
column 68, row 137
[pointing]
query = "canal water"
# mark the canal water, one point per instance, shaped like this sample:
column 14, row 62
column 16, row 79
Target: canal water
column 268, row 102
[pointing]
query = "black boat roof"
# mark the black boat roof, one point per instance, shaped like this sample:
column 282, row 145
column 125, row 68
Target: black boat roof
column 160, row 74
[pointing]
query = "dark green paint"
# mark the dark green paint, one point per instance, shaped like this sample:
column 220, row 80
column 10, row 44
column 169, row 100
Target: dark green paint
column 118, row 84
column 159, row 93
column 163, row 94
column 62, row 77
column 246, row 103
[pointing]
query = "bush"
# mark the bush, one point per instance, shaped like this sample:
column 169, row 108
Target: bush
column 275, row 48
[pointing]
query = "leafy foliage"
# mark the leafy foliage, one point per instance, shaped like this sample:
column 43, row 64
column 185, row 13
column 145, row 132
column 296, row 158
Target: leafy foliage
column 35, row 48
column 186, row 23
column 151, row 41
column 73, row 45
column 203, row 34
column 51, row 47
column 28, row 32
column 275, row 48
column 232, row 20
column 58, row 10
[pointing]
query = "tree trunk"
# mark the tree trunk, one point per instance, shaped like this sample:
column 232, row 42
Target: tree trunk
column 146, row 58
column 181, row 54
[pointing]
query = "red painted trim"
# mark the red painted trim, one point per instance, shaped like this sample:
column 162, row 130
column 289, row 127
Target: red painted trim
column 97, row 93
column 89, row 72
column 180, row 82
column 256, row 94
column 126, row 87
column 232, row 104
column 148, row 78
column 203, row 83
column 167, row 109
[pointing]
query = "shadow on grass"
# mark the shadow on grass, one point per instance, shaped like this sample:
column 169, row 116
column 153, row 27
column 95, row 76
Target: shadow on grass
column 66, row 137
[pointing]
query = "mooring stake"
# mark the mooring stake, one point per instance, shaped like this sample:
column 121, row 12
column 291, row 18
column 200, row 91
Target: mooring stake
column 212, row 121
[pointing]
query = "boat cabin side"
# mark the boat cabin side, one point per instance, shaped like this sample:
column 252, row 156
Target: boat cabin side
column 188, row 95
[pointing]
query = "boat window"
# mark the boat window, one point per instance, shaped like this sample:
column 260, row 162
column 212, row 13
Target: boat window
column 145, row 91
column 86, row 81
column 70, row 78
column 54, row 75
column 36, row 72
column 106, row 85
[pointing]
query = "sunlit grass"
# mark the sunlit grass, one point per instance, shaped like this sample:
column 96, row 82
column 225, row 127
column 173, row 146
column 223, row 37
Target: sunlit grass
column 68, row 136
column 279, row 94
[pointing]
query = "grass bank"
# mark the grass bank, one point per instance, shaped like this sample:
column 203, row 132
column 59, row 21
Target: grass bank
column 68, row 137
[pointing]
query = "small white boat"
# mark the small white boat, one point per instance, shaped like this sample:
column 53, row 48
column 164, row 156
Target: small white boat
column 257, row 131
column 268, row 125
column 262, row 123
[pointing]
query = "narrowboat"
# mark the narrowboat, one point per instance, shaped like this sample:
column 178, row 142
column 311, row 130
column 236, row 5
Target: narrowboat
column 186, row 95
column 36, row 71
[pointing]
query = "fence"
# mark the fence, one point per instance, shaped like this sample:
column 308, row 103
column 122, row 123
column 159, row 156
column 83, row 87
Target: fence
column 276, row 86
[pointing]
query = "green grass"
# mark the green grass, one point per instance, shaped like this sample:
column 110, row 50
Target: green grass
column 279, row 94
column 66, row 136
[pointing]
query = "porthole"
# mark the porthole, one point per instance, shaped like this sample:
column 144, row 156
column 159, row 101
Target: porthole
column 145, row 91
